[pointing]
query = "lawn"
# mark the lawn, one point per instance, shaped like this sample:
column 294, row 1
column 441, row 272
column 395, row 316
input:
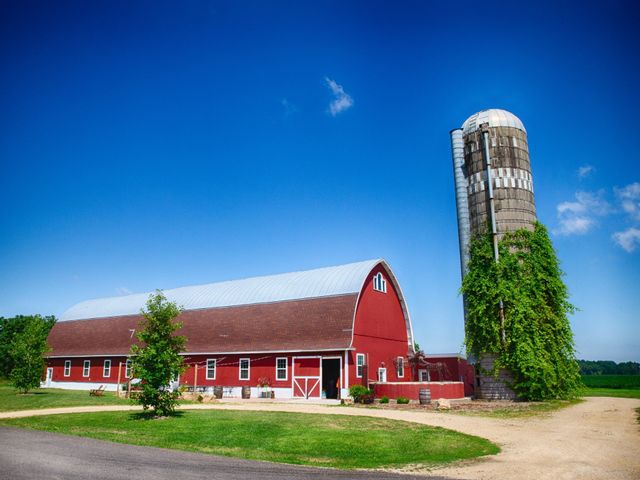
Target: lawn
column 304, row 439
column 611, row 392
column 612, row 381
column 51, row 398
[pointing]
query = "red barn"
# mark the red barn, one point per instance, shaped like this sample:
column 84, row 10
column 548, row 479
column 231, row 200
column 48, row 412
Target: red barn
column 310, row 334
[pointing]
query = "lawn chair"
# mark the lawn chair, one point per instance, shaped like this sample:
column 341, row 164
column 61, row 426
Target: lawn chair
column 97, row 392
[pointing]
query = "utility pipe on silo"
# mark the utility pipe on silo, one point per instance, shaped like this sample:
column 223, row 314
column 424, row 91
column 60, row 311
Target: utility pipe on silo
column 492, row 214
column 462, row 202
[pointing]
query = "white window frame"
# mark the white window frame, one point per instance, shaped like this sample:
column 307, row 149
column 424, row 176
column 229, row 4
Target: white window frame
column 106, row 369
column 379, row 283
column 127, row 368
column 86, row 368
column 359, row 366
column 67, row 368
column 248, row 369
column 280, row 369
column 400, row 367
column 382, row 372
column 215, row 368
column 420, row 372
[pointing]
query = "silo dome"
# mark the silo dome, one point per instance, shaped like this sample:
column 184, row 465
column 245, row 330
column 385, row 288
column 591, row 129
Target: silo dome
column 494, row 117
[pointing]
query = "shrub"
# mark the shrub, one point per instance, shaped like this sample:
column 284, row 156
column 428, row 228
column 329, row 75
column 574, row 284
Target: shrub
column 402, row 400
column 384, row 399
column 359, row 393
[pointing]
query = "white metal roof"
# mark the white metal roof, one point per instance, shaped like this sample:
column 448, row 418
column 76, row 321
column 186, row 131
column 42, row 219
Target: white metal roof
column 494, row 117
column 321, row 282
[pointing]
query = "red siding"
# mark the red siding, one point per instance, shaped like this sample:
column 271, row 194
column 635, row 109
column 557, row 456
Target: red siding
column 380, row 331
column 456, row 370
column 412, row 390
column 95, row 370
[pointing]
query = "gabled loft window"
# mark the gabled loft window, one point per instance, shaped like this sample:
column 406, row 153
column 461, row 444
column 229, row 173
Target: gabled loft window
column 379, row 283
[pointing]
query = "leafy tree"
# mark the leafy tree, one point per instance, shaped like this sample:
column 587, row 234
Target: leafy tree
column 26, row 352
column 537, row 346
column 9, row 328
column 157, row 360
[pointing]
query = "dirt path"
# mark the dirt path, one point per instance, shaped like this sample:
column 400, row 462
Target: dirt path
column 596, row 439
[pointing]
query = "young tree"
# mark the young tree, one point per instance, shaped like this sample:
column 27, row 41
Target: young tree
column 537, row 346
column 9, row 328
column 27, row 350
column 157, row 360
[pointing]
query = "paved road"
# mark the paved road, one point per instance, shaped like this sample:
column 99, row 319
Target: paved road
column 29, row 454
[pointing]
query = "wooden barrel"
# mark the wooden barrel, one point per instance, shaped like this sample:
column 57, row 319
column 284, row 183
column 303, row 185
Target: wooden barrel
column 246, row 392
column 425, row 396
column 217, row 391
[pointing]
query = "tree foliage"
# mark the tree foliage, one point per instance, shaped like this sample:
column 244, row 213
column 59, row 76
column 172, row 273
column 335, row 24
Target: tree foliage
column 26, row 352
column 157, row 361
column 538, row 346
column 608, row 367
column 9, row 328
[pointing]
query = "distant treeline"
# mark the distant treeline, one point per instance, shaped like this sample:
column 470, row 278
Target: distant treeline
column 608, row 367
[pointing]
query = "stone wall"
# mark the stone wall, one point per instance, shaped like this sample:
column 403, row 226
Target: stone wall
column 490, row 387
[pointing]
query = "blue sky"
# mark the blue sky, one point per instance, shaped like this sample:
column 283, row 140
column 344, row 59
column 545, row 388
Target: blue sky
column 152, row 145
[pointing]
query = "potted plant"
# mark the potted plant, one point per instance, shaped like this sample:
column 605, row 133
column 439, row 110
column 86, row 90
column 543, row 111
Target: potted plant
column 264, row 383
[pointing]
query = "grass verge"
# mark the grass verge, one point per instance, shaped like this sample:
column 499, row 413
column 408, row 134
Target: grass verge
column 10, row 400
column 303, row 439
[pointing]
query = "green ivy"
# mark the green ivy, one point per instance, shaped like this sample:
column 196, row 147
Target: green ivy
column 538, row 345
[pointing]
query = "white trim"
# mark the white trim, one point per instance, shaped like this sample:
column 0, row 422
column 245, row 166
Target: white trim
column 215, row 369
column 364, row 360
column 286, row 369
column 346, row 370
column 379, row 283
column 67, row 369
column 248, row 369
column 108, row 386
column 106, row 369
column 86, row 368
column 338, row 357
column 248, row 352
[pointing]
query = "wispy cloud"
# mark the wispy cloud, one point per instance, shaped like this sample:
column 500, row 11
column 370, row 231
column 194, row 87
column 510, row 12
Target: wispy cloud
column 289, row 108
column 628, row 239
column 341, row 100
column 123, row 291
column 629, row 198
column 585, row 170
column 579, row 217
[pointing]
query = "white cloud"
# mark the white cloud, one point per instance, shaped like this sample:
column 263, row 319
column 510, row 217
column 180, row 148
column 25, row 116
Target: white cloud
column 629, row 198
column 123, row 291
column 342, row 100
column 585, row 171
column 289, row 108
column 578, row 217
column 628, row 239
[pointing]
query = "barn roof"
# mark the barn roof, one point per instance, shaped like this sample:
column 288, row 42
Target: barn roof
column 321, row 282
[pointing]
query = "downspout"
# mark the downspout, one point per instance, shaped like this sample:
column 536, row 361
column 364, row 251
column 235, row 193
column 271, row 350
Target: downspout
column 492, row 214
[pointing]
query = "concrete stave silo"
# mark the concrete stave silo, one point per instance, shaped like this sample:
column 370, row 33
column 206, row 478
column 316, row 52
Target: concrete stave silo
column 494, row 192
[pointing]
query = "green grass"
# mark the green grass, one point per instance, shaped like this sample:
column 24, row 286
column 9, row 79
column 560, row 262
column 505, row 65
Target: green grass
column 612, row 381
column 320, row 440
column 10, row 400
column 611, row 392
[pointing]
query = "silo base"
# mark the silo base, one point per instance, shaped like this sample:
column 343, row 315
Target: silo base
column 489, row 387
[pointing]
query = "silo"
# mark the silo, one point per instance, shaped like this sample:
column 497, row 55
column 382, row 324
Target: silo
column 494, row 192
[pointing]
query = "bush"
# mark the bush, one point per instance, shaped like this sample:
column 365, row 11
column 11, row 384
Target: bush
column 384, row 399
column 360, row 393
column 402, row 400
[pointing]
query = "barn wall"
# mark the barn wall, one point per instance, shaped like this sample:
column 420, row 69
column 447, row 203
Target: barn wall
column 95, row 370
column 380, row 331
column 411, row 390
column 457, row 370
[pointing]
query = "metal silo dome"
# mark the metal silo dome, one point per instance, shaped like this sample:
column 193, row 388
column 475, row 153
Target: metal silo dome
column 494, row 117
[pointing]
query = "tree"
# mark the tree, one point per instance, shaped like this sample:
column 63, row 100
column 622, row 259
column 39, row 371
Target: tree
column 157, row 360
column 27, row 350
column 538, row 344
column 9, row 328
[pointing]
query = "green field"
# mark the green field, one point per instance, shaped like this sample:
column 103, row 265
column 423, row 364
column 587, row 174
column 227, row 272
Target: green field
column 611, row 381
column 10, row 400
column 305, row 439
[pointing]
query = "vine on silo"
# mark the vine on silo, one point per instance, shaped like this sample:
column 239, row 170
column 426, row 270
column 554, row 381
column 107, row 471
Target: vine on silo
column 538, row 348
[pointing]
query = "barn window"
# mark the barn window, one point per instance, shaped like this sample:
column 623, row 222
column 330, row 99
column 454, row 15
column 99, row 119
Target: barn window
column 244, row 369
column 106, row 369
column 379, row 283
column 382, row 375
column 423, row 375
column 127, row 369
column 211, row 369
column 86, row 366
column 281, row 368
column 359, row 364
column 67, row 368
column 400, row 367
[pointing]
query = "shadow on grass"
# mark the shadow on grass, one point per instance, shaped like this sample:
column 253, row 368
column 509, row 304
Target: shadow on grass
column 151, row 415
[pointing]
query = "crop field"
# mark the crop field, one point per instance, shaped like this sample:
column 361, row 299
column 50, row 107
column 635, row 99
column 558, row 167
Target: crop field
column 611, row 381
